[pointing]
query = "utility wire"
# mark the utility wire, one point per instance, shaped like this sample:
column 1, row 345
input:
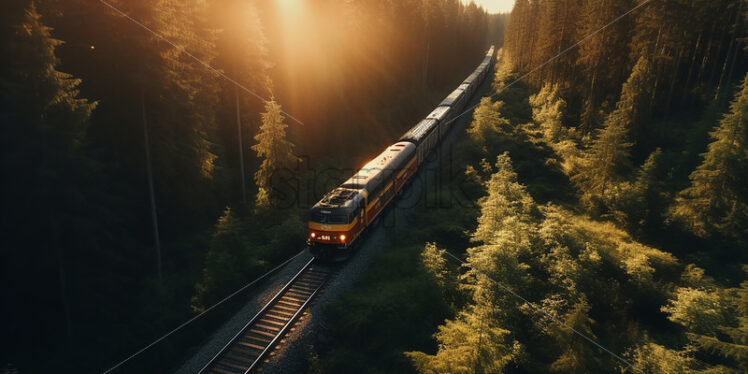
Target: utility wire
column 553, row 317
column 202, row 313
column 580, row 41
column 201, row 62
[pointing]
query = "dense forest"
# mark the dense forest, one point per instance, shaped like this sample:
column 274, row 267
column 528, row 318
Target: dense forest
column 608, row 230
column 141, row 143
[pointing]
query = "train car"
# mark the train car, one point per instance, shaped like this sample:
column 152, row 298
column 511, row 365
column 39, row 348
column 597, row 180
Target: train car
column 341, row 216
column 473, row 79
column 425, row 136
column 453, row 99
column 440, row 113
column 443, row 116
column 344, row 213
column 483, row 70
column 467, row 94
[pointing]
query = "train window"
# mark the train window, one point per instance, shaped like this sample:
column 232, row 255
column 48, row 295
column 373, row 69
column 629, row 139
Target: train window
column 333, row 219
column 338, row 219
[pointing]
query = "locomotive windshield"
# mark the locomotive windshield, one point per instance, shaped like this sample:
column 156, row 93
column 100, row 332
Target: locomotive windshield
column 329, row 218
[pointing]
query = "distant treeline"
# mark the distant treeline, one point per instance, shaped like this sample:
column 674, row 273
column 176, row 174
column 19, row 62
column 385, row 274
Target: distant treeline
column 693, row 46
column 96, row 112
column 648, row 88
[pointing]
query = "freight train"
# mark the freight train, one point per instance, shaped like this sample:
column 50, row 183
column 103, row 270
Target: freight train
column 343, row 214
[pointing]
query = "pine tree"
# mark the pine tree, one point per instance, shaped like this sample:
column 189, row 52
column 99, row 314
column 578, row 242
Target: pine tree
column 557, row 32
column 654, row 358
column 487, row 122
column 547, row 111
column 507, row 203
column 275, row 150
column 242, row 53
column 649, row 197
column 471, row 343
column 732, row 343
column 228, row 261
column 699, row 310
column 578, row 355
column 433, row 260
column 592, row 116
column 44, row 123
column 602, row 57
column 716, row 322
column 603, row 165
column 717, row 200
column 609, row 155
column 518, row 33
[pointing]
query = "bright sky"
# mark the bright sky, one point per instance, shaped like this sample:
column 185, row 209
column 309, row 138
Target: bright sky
column 494, row 6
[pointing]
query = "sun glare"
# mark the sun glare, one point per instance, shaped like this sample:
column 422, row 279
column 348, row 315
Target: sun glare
column 289, row 5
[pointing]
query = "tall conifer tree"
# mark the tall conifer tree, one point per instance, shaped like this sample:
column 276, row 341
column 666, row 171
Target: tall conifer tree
column 274, row 149
column 609, row 155
column 717, row 200
column 44, row 124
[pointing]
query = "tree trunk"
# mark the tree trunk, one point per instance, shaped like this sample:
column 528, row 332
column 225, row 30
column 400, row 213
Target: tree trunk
column 241, row 147
column 64, row 292
column 707, row 52
column 722, row 75
column 671, row 90
column 726, row 75
column 687, row 86
column 154, row 216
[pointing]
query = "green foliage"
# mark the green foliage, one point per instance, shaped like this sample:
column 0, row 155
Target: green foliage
column 698, row 310
column 593, row 275
column 655, row 358
column 9, row 369
column 47, row 220
column 275, row 150
column 470, row 343
column 717, row 201
column 507, row 207
column 716, row 321
column 578, row 355
column 608, row 158
column 241, row 248
column 396, row 306
column 434, row 261
column 651, row 190
column 228, row 262
column 575, row 266
column 601, row 168
column 75, row 220
column 547, row 111
column 487, row 121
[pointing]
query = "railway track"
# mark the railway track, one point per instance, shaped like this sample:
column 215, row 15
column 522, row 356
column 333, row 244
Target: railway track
column 245, row 352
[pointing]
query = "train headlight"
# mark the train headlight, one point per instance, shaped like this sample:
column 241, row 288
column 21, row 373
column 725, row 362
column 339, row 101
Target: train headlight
column 313, row 235
column 342, row 238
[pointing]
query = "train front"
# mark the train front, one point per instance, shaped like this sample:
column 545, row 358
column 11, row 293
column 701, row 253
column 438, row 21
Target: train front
column 335, row 221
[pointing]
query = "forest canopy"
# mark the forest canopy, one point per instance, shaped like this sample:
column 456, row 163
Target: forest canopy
column 141, row 142
column 607, row 167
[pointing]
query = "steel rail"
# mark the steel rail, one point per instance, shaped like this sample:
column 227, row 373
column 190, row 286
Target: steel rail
column 234, row 341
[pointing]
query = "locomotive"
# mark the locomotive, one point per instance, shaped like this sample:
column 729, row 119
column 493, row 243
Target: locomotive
column 344, row 213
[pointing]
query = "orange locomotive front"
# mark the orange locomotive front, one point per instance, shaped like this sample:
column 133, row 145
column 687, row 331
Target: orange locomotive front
column 337, row 220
